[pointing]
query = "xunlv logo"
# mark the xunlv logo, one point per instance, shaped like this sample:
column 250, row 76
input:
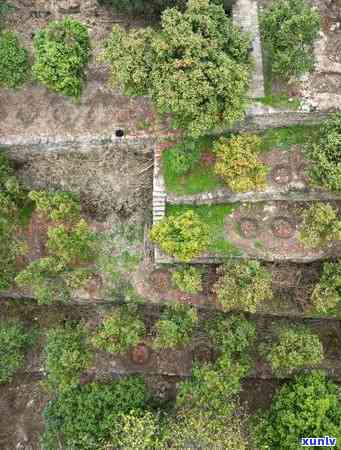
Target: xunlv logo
column 318, row 442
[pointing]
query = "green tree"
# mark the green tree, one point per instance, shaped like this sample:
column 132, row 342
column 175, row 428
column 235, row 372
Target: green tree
column 13, row 342
column 321, row 224
column 62, row 52
column 67, row 356
column 188, row 280
column 120, row 331
column 296, row 348
column 57, row 206
column 289, row 28
column 184, row 236
column 14, row 61
column 175, row 327
column 326, row 295
column 196, row 67
column 238, row 164
column 308, row 406
column 243, row 286
column 88, row 417
column 324, row 154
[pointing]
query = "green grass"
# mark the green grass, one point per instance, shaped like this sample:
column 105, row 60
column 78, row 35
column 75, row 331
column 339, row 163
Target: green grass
column 284, row 138
column 279, row 101
column 213, row 216
column 199, row 179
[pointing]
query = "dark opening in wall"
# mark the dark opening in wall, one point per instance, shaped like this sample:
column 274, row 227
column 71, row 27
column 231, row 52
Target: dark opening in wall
column 119, row 133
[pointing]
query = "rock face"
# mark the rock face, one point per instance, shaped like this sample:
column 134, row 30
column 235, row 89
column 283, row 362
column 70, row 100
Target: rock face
column 69, row 7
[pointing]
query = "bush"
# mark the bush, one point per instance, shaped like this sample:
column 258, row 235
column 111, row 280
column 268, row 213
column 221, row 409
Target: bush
column 57, row 206
column 188, row 280
column 243, row 286
column 139, row 431
column 51, row 280
column 67, row 357
column 181, row 158
column 232, row 336
column 237, row 163
column 72, row 246
column 325, row 155
column 296, row 348
column 91, row 416
column 14, row 61
column 196, row 67
column 13, row 341
column 184, row 236
column 321, row 225
column 309, row 406
column 289, row 28
column 205, row 430
column 326, row 295
column 120, row 331
column 175, row 327
column 62, row 52
column 211, row 388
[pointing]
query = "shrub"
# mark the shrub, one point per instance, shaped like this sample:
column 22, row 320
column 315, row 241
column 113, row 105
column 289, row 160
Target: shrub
column 139, row 431
column 182, row 157
column 72, row 246
column 320, row 225
column 120, row 331
column 232, row 336
column 296, row 348
column 57, row 206
column 195, row 67
column 211, row 388
column 325, row 154
column 188, row 280
column 51, row 280
column 13, row 341
column 237, row 163
column 184, row 236
column 62, row 52
column 327, row 292
column 308, row 406
column 175, row 327
column 67, row 356
column 14, row 61
column 205, row 430
column 90, row 416
column 243, row 286
column 289, row 28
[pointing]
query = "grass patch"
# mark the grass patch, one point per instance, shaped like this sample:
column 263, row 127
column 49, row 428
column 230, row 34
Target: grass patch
column 279, row 101
column 284, row 138
column 200, row 178
column 213, row 216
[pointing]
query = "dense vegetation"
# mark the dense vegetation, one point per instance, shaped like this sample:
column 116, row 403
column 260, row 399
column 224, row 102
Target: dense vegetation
column 289, row 28
column 175, row 327
column 188, row 280
column 62, row 52
column 326, row 296
column 243, row 286
column 70, row 245
column 321, row 224
column 184, row 236
column 120, row 331
column 14, row 61
column 196, row 67
column 67, row 357
column 308, row 406
column 296, row 347
column 13, row 342
column 324, row 151
column 237, row 163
